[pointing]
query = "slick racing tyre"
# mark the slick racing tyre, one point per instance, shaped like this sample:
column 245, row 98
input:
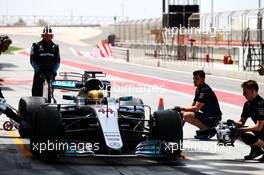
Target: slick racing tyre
column 168, row 125
column 26, row 108
column 28, row 105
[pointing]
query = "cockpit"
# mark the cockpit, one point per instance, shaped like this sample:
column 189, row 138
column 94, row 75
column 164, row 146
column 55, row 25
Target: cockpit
column 92, row 92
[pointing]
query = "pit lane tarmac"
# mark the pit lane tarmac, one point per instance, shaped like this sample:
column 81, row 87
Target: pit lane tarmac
column 16, row 159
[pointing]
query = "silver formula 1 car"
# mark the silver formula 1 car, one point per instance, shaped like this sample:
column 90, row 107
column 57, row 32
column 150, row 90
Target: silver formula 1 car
column 94, row 123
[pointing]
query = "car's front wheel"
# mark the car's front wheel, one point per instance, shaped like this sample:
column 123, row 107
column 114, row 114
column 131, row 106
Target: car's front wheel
column 166, row 126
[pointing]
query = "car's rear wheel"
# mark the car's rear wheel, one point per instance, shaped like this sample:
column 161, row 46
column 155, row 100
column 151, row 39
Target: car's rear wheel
column 26, row 108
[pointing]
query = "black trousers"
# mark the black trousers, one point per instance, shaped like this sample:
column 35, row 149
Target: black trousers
column 37, row 86
column 251, row 138
column 38, row 80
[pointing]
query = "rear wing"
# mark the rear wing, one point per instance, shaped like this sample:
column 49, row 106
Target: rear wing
column 75, row 85
column 83, row 77
column 72, row 85
column 78, row 80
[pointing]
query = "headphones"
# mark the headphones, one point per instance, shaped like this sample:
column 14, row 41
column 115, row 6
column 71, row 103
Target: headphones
column 47, row 30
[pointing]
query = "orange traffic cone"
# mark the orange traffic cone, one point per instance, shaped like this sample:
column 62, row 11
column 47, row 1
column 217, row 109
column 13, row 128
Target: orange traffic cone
column 161, row 104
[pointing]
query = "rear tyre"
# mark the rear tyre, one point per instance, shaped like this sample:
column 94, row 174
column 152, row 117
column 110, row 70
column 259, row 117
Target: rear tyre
column 26, row 108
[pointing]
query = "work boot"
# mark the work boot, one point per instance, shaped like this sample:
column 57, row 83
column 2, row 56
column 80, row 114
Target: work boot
column 254, row 152
column 204, row 137
column 262, row 158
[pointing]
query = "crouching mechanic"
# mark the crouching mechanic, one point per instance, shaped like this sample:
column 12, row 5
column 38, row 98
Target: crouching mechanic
column 45, row 60
column 205, row 110
column 254, row 109
column 5, row 42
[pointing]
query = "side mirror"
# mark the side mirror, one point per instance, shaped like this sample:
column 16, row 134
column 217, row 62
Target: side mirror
column 126, row 98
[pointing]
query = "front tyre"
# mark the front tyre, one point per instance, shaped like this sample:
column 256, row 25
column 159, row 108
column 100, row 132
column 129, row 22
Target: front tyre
column 166, row 126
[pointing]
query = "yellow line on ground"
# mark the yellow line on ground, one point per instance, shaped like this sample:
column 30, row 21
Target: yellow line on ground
column 3, row 133
column 183, row 157
column 20, row 143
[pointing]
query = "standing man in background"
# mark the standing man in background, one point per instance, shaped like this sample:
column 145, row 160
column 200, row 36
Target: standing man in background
column 45, row 60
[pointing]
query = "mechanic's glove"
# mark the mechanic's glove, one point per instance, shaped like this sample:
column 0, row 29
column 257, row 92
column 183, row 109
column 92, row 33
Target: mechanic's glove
column 230, row 122
column 53, row 75
column 42, row 76
column 177, row 108
column 3, row 105
column 36, row 69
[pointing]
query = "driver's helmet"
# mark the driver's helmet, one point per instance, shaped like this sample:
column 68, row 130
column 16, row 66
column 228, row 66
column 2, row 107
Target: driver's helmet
column 93, row 84
column 95, row 95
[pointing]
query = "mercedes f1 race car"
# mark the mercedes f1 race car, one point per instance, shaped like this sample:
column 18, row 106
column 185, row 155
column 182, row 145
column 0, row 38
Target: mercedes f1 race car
column 95, row 123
